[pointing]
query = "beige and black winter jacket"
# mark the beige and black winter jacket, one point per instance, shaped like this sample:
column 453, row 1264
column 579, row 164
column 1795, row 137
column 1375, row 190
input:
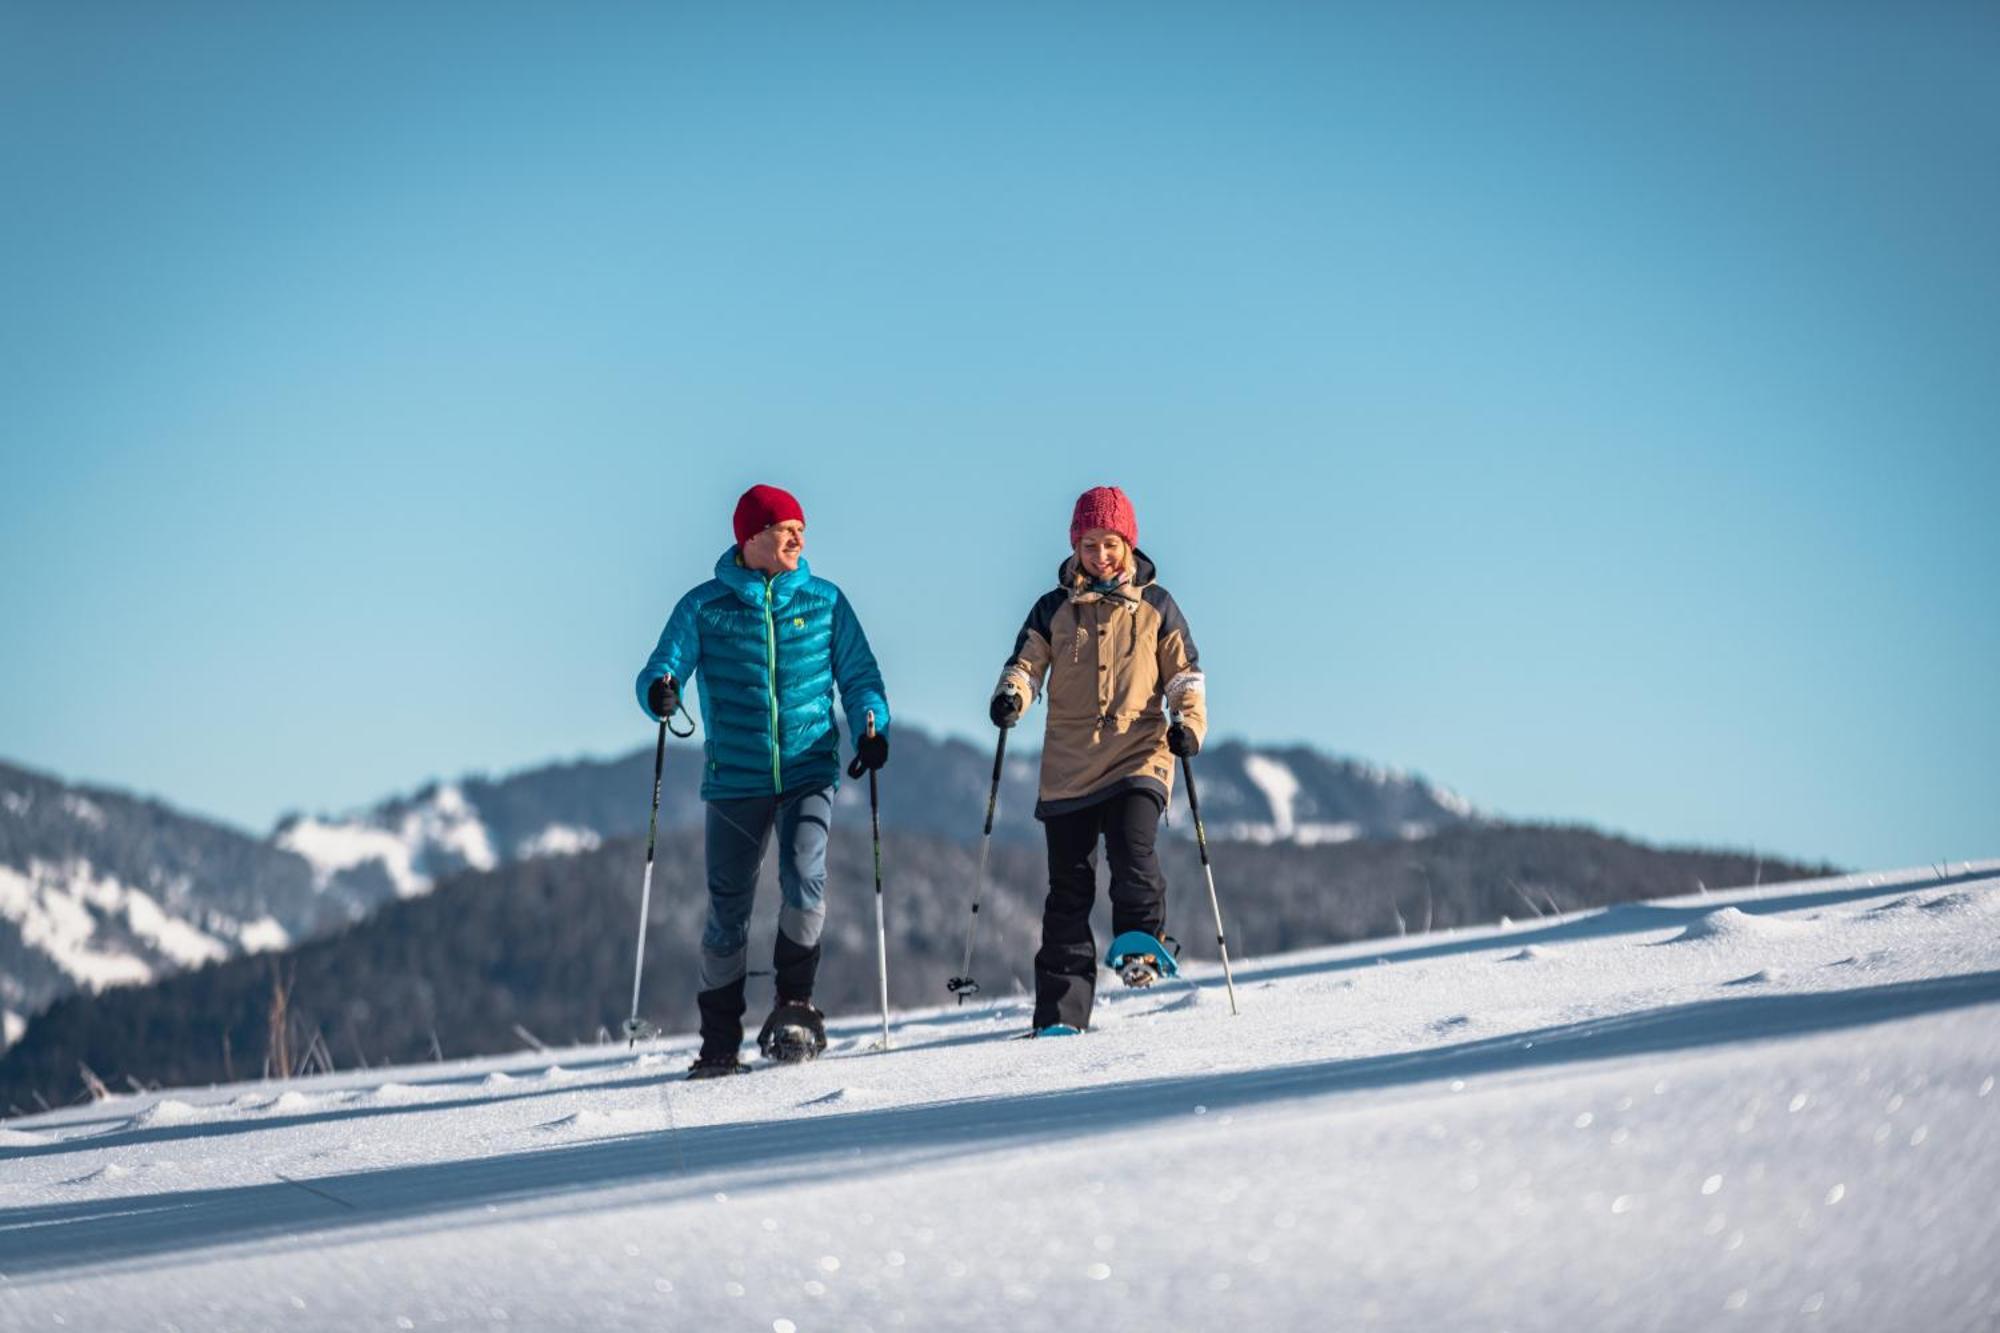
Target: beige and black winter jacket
column 1114, row 663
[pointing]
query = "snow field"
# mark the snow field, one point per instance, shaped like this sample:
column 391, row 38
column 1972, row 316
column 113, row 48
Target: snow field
column 1758, row 1110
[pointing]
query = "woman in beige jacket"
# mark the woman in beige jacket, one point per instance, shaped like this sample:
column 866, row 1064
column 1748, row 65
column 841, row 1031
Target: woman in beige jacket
column 1110, row 655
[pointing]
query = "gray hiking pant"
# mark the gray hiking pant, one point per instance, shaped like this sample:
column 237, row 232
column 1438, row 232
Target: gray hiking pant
column 738, row 832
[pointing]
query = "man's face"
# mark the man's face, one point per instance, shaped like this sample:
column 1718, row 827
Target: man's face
column 776, row 550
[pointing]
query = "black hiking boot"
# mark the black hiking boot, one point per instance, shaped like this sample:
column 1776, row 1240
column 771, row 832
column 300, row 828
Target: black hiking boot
column 794, row 1032
column 716, row 1066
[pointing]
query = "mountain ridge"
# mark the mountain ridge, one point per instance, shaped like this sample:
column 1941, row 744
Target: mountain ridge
column 100, row 888
column 542, row 950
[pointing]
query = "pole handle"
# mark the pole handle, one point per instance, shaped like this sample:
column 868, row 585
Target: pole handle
column 993, row 794
column 1194, row 803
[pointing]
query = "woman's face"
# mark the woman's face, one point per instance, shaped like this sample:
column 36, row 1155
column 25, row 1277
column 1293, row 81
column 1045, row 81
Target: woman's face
column 1102, row 553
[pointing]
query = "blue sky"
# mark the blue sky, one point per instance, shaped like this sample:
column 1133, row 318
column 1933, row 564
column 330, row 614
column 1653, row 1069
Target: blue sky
column 1595, row 412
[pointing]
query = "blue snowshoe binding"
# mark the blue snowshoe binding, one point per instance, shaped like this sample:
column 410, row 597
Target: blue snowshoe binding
column 1140, row 959
column 1057, row 1030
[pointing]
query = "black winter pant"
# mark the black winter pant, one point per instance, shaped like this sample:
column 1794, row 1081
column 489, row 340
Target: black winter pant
column 1066, row 965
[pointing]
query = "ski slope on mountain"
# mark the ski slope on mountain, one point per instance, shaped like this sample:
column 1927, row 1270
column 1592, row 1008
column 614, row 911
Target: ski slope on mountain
column 1765, row 1109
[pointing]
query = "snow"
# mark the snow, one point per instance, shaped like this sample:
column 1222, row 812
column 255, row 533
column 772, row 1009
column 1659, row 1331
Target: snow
column 292, row 1102
column 57, row 909
column 444, row 822
column 333, row 847
column 1449, row 799
column 16, row 803
column 97, row 931
column 166, row 1111
column 1577, row 1123
column 448, row 820
column 1732, row 923
column 559, row 840
column 264, row 935
column 1280, row 787
column 1314, row 832
column 1308, row 834
column 83, row 810
column 12, row 1025
column 177, row 940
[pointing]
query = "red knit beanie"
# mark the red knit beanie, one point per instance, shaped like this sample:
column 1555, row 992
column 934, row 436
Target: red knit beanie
column 760, row 507
column 1104, row 507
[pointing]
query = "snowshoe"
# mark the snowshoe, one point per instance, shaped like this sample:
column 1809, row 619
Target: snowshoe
column 1139, row 970
column 1057, row 1030
column 716, row 1066
column 794, row 1032
column 1140, row 959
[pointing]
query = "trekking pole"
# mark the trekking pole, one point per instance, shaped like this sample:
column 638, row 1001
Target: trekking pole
column 963, row 985
column 1201, row 841
column 634, row 1029
column 881, row 931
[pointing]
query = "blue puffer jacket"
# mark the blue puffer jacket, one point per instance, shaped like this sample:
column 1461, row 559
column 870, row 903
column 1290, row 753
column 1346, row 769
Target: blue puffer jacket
column 765, row 654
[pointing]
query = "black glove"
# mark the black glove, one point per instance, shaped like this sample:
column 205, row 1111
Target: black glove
column 663, row 697
column 1005, row 710
column 870, row 752
column 1182, row 741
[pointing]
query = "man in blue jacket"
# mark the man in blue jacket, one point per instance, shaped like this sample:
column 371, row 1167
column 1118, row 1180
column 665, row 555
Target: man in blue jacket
column 767, row 642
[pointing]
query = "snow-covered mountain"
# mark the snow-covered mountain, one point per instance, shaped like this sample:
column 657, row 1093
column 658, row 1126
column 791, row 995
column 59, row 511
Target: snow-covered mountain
column 1291, row 794
column 546, row 944
column 1298, row 795
column 408, row 844
column 99, row 888
column 1772, row 1108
